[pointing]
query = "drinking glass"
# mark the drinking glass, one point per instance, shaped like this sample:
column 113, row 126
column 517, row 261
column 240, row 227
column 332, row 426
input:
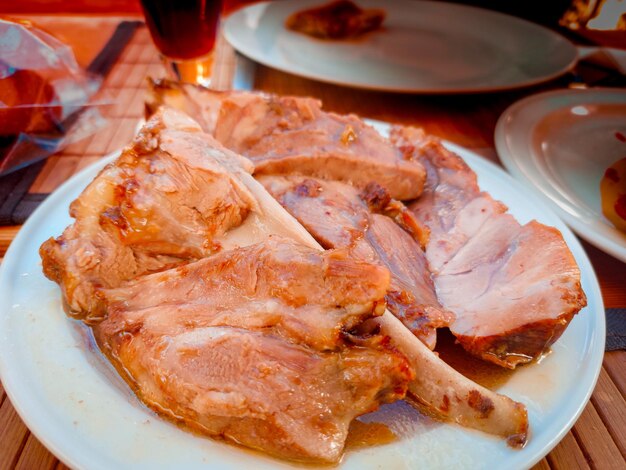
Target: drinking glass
column 185, row 32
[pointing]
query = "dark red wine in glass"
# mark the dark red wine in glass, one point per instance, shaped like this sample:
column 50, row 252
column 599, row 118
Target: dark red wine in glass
column 185, row 32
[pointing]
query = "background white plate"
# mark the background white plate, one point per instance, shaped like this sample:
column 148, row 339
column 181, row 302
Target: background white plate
column 425, row 46
column 560, row 143
column 80, row 409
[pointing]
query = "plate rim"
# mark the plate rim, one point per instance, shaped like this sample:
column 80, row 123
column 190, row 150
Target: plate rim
column 240, row 47
column 18, row 404
column 513, row 166
column 67, row 456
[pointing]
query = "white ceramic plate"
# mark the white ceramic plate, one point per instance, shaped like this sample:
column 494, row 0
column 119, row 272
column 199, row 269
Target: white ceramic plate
column 559, row 144
column 425, row 47
column 81, row 410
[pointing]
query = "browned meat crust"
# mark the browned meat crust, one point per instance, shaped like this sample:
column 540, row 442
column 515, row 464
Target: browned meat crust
column 519, row 345
column 144, row 213
column 290, row 135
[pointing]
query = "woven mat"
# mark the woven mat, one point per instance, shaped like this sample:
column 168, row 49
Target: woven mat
column 615, row 329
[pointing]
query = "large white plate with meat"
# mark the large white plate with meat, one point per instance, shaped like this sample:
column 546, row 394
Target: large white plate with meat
column 76, row 404
column 560, row 143
column 423, row 47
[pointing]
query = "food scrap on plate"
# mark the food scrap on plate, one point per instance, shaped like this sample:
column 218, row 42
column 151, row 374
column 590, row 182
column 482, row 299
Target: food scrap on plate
column 340, row 19
column 613, row 194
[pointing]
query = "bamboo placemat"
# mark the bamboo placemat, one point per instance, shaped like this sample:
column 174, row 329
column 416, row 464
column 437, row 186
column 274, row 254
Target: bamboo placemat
column 597, row 441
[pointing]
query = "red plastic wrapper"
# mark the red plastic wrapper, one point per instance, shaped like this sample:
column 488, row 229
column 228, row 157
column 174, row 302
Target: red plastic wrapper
column 46, row 99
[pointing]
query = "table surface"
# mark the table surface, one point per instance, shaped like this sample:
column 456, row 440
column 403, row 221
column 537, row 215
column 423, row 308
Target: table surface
column 598, row 439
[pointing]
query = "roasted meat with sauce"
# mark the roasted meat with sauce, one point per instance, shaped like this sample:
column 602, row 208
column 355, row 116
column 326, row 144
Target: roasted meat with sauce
column 341, row 216
column 137, row 207
column 164, row 201
column 513, row 288
column 341, row 19
column 289, row 135
column 258, row 345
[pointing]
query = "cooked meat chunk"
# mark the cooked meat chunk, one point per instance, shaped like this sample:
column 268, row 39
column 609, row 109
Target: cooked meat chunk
column 257, row 345
column 513, row 288
column 340, row 216
column 411, row 296
column 289, row 135
column 163, row 202
column 452, row 205
column 341, row 19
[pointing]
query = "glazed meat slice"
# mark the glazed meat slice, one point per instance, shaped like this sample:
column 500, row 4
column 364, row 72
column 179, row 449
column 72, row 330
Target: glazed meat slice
column 516, row 298
column 513, row 288
column 164, row 201
column 258, row 345
column 289, row 135
column 341, row 216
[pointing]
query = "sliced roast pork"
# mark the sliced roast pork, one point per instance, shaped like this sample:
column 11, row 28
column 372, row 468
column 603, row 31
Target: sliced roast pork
column 257, row 345
column 289, row 135
column 513, row 288
column 341, row 216
column 97, row 281
column 164, row 201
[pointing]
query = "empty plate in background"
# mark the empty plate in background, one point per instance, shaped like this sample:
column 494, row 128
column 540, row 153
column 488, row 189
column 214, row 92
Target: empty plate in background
column 423, row 47
column 559, row 144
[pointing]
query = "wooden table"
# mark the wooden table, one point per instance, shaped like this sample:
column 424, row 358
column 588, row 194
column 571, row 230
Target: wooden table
column 598, row 440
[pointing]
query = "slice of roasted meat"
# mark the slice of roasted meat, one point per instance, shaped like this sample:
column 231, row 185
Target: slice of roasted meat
column 164, row 201
column 341, row 216
column 341, row 19
column 289, row 135
column 513, row 288
column 258, row 345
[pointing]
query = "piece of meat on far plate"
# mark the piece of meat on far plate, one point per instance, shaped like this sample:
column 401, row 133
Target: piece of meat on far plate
column 257, row 345
column 341, row 216
column 166, row 200
column 513, row 288
column 340, row 19
column 293, row 135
